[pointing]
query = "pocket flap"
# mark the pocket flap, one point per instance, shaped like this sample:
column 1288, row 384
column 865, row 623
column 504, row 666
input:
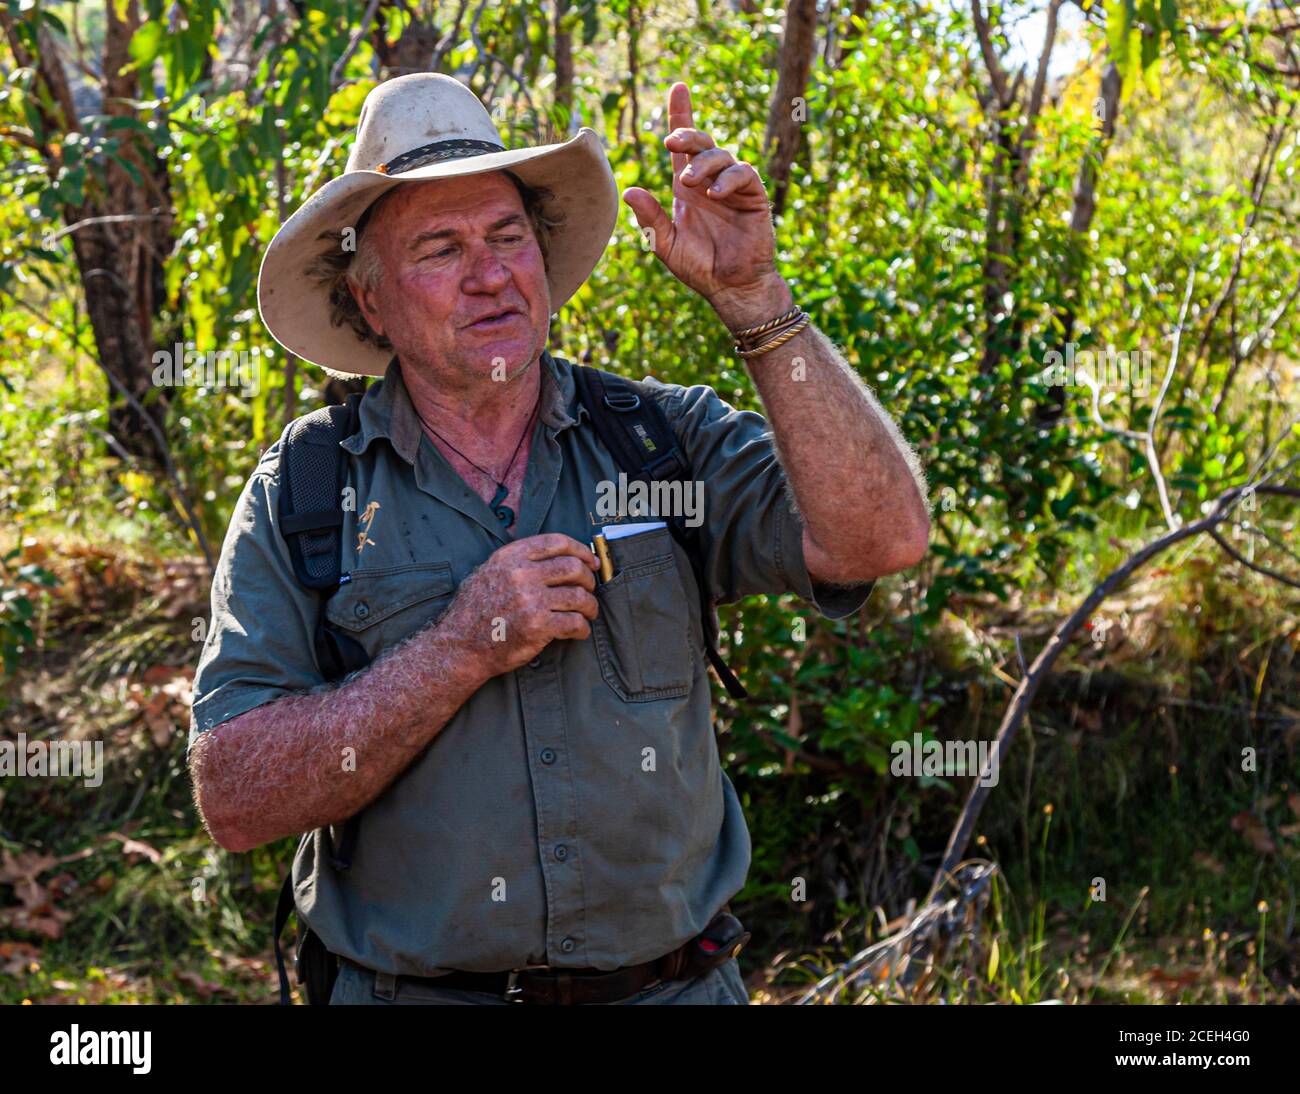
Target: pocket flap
column 371, row 596
column 642, row 549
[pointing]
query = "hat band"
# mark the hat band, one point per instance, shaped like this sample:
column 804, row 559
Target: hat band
column 426, row 154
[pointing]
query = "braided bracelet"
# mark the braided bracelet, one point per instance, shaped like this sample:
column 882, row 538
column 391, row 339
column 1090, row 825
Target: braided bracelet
column 750, row 333
column 780, row 340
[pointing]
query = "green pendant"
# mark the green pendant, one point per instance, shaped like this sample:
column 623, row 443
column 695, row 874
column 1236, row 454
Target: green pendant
column 503, row 513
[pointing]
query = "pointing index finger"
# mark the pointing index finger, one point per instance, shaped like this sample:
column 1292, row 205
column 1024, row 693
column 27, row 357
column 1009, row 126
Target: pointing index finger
column 679, row 117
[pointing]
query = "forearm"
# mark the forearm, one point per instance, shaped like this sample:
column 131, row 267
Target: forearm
column 857, row 483
column 317, row 758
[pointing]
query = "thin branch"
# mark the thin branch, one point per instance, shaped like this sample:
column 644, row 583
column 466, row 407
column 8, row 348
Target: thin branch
column 1282, row 491
column 1259, row 186
column 21, row 135
column 1234, row 553
column 448, row 40
column 1153, row 457
column 1256, row 340
column 341, row 64
column 1038, row 671
column 997, row 74
column 1272, row 449
column 1094, row 386
column 115, row 218
column 1040, row 80
column 164, row 450
column 1256, row 530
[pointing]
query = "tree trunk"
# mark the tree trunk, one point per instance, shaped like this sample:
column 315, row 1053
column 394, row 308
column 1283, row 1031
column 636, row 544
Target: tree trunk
column 633, row 72
column 1002, row 233
column 563, row 70
column 120, row 259
column 860, row 9
column 412, row 52
column 1083, row 207
column 784, row 120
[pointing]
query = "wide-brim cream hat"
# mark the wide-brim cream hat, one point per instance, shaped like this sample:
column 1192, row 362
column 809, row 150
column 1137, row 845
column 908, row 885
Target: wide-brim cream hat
column 414, row 128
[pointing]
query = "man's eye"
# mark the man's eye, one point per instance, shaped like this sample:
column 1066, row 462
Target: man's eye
column 440, row 254
column 511, row 239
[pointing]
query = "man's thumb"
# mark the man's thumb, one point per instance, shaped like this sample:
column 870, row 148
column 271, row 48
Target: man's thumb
column 650, row 215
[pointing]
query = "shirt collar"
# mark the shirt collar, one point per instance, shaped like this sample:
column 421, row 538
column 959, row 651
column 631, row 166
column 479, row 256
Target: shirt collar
column 387, row 411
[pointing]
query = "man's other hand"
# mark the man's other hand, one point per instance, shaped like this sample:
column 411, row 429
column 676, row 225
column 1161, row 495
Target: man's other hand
column 527, row 594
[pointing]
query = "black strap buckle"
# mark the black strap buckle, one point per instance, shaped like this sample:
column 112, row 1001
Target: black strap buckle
column 667, row 467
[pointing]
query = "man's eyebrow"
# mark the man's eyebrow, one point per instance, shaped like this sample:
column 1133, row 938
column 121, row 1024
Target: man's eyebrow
column 451, row 233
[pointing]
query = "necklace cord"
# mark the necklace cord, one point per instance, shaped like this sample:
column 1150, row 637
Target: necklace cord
column 496, row 481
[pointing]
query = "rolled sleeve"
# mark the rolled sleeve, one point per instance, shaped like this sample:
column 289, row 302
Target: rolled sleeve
column 259, row 646
column 752, row 535
column 831, row 601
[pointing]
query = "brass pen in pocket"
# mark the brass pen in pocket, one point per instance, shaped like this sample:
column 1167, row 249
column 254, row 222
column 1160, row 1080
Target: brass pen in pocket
column 601, row 548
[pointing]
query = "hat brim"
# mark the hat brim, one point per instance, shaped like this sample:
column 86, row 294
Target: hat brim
column 295, row 307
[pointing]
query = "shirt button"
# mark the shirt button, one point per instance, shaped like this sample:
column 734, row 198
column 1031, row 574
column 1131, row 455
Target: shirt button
column 561, row 852
column 548, row 755
column 361, row 610
column 568, row 946
column 535, row 663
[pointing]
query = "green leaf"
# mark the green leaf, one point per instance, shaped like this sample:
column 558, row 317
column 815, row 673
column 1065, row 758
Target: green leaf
column 1150, row 34
column 72, row 185
column 146, row 44
column 54, row 21
column 129, row 167
column 1119, row 20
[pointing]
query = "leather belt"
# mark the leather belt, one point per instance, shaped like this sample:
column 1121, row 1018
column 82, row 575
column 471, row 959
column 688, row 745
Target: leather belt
column 546, row 986
column 722, row 940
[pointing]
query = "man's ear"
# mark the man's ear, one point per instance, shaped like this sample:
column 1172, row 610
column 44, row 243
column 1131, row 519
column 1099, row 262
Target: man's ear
column 365, row 299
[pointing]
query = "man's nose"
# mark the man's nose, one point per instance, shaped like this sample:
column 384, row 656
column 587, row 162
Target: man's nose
column 487, row 273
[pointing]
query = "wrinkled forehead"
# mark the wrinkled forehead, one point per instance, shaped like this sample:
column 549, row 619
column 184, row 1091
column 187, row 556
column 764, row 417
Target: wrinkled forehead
column 417, row 206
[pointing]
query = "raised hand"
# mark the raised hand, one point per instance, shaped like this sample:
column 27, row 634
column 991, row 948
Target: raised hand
column 719, row 240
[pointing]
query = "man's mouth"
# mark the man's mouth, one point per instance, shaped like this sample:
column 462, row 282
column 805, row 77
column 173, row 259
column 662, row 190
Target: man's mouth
column 495, row 319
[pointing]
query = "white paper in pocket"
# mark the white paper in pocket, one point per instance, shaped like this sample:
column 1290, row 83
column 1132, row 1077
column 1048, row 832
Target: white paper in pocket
column 622, row 531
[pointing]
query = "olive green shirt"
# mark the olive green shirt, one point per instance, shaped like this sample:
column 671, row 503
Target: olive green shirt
column 573, row 812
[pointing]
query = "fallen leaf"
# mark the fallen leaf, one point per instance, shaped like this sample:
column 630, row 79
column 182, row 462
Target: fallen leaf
column 1208, row 862
column 1254, row 832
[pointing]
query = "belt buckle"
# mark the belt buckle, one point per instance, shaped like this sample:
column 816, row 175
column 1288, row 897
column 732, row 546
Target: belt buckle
column 514, row 993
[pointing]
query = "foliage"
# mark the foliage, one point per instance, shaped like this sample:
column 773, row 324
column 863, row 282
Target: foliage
column 885, row 239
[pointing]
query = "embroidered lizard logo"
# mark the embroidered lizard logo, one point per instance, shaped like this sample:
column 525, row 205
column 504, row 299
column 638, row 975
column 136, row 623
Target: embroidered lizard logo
column 367, row 518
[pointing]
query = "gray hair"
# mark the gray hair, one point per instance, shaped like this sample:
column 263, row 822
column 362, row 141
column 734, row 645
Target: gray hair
column 335, row 266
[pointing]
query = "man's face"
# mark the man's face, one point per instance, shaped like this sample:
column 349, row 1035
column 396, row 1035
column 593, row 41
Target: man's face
column 456, row 253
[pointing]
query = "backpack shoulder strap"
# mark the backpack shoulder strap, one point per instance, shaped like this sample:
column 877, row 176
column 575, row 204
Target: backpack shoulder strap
column 313, row 473
column 633, row 426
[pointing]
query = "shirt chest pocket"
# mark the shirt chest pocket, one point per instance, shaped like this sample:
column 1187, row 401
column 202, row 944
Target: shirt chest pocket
column 382, row 607
column 643, row 631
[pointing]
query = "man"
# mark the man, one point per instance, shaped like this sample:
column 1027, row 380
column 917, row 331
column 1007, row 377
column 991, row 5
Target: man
column 530, row 752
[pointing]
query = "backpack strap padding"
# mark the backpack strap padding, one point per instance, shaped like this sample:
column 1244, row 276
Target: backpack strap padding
column 313, row 473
